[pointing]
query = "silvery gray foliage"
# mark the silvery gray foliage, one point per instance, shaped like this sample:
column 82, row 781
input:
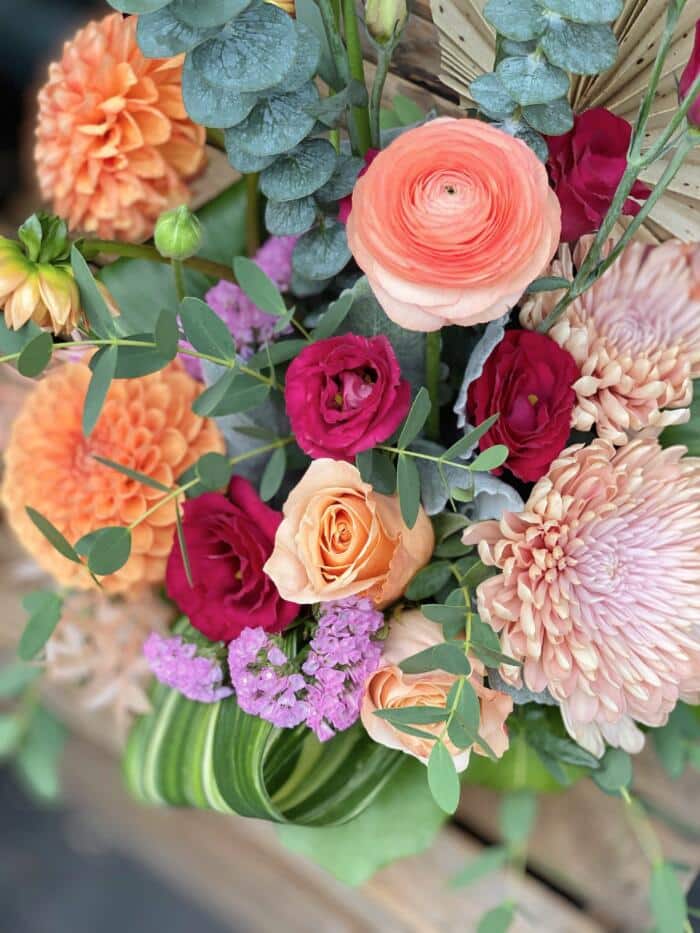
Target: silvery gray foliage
column 490, row 339
column 493, row 497
column 520, row 695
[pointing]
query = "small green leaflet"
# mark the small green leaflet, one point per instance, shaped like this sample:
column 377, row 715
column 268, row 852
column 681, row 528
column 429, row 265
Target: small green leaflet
column 166, row 335
column 488, row 861
column 415, row 419
column 490, row 459
column 37, row 758
column 464, row 724
column 110, row 550
column 445, row 656
column 273, row 474
column 497, row 920
column 443, row 779
column 103, row 372
column 35, row 356
column 93, row 303
column 44, row 608
column 213, row 471
column 333, row 317
column 413, row 715
column 668, row 904
column 615, row 771
column 53, row 535
column 408, row 484
column 517, row 817
column 10, row 735
column 205, row 330
column 261, row 290
column 465, row 444
column 15, row 677
column 132, row 474
column 429, row 580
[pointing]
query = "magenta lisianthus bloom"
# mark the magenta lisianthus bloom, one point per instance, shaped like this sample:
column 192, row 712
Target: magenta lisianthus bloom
column 228, row 540
column 690, row 74
column 585, row 166
column 344, row 395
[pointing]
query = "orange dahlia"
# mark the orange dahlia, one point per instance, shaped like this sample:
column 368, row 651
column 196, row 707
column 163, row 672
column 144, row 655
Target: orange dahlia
column 115, row 146
column 146, row 424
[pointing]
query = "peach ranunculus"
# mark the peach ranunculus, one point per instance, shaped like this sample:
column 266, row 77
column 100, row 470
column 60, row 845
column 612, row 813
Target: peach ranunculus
column 339, row 538
column 390, row 688
column 451, row 223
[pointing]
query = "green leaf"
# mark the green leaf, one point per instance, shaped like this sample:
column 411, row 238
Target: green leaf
column 253, row 53
column 52, row 535
column 299, row 172
column 290, row 218
column 408, row 487
column 208, row 13
column 276, row 124
column 162, row 35
column 446, row 656
column 517, row 817
column 490, row 94
column 232, row 393
column 445, row 615
column 464, row 725
column 552, row 119
column 211, row 398
column 448, row 524
column 429, row 580
column 548, row 283
column 273, row 474
column 465, row 444
column 443, row 779
column 30, row 234
column 579, row 48
column 213, row 471
column 103, row 371
column 322, row 252
column 562, row 749
column 354, row 851
column 132, row 474
column 333, row 317
column 520, row 20
column 416, row 418
column 259, row 287
column 343, row 179
column 532, row 80
column 93, row 304
column 497, row 920
column 13, row 341
column 413, row 715
column 586, row 11
column 10, row 735
column 488, row 861
column 37, row 760
column 166, row 335
column 615, row 771
column 668, row 904
column 490, row 459
column 407, row 110
column 134, row 362
column 212, row 105
column 137, row 6
column 36, row 355
column 15, row 678
column 44, row 610
column 205, row 330
column 111, row 549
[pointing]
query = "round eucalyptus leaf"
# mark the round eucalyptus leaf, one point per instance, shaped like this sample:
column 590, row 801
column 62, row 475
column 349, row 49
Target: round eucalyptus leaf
column 203, row 14
column 162, row 34
column 510, row 47
column 532, row 80
column 579, row 48
column 276, row 123
column 209, row 105
column 586, row 11
column 306, row 288
column 300, row 172
column 342, row 181
column 553, row 119
column 305, row 64
column 490, row 94
column 242, row 160
column 516, row 19
column 322, row 252
column 137, row 6
column 252, row 52
column 534, row 140
column 290, row 218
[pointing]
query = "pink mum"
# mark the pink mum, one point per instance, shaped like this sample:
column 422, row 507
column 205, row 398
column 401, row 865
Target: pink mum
column 599, row 590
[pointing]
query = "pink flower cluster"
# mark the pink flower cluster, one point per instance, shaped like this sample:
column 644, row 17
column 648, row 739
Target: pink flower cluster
column 177, row 664
column 250, row 327
column 326, row 693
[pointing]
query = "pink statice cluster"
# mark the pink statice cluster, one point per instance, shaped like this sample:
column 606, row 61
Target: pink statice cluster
column 177, row 664
column 326, row 693
column 250, row 327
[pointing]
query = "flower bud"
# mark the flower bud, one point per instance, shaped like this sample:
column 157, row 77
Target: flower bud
column 385, row 17
column 178, row 234
column 39, row 291
column 689, row 76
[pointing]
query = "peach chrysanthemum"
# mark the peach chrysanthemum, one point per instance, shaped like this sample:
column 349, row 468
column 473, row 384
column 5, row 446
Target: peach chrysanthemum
column 98, row 649
column 146, row 424
column 635, row 335
column 115, row 146
column 599, row 590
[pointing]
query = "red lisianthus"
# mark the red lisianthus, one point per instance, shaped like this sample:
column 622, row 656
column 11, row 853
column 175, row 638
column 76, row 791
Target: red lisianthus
column 585, row 166
column 690, row 74
column 527, row 379
column 228, row 540
column 345, row 204
column 344, row 395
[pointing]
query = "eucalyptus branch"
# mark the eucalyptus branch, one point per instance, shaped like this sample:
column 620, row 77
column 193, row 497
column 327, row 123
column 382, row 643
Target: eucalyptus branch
column 420, row 456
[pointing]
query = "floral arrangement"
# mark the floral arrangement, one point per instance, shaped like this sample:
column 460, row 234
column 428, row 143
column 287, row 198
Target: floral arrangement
column 399, row 488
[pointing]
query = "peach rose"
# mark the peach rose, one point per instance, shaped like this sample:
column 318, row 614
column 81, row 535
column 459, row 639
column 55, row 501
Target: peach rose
column 390, row 688
column 339, row 538
column 452, row 222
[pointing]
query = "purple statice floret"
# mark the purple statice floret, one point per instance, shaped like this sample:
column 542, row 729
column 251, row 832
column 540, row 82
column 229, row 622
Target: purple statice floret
column 327, row 693
column 250, row 327
column 176, row 664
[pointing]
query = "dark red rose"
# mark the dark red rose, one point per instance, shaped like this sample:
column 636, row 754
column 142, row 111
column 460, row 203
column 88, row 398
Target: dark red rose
column 585, row 166
column 527, row 379
column 344, row 395
column 689, row 76
column 345, row 204
column 228, row 540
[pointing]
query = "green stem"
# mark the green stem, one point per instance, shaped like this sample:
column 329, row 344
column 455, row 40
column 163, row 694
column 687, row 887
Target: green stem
column 338, row 51
column 360, row 115
column 229, row 364
column 415, row 453
column 216, row 139
column 179, row 278
column 384, row 53
column 252, row 214
column 91, row 248
column 433, row 346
